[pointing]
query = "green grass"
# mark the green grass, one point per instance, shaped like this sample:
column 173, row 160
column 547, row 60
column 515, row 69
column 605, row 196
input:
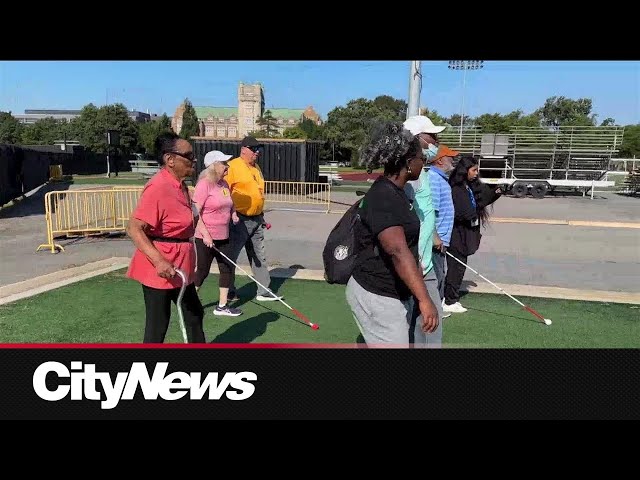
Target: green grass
column 110, row 309
column 77, row 180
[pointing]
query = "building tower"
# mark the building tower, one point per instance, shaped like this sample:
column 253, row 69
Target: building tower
column 250, row 107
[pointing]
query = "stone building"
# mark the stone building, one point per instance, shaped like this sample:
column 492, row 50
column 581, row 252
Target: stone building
column 237, row 122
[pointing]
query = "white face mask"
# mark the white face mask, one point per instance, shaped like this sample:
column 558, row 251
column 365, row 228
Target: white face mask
column 430, row 153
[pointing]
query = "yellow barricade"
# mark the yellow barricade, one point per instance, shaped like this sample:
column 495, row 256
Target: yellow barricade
column 299, row 193
column 82, row 212
column 302, row 193
column 72, row 213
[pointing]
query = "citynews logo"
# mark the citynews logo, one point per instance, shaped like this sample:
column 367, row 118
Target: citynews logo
column 176, row 385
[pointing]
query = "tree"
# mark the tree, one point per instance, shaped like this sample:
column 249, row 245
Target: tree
column 45, row 132
column 563, row 111
column 347, row 127
column 92, row 125
column 497, row 123
column 455, row 120
column 395, row 106
column 268, row 125
column 531, row 120
column 311, row 129
column 149, row 131
column 164, row 122
column 294, row 132
column 434, row 116
column 631, row 142
column 307, row 129
column 607, row 122
column 257, row 134
column 10, row 128
column 190, row 125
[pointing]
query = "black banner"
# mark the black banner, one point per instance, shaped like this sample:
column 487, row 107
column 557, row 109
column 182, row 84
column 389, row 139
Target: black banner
column 317, row 383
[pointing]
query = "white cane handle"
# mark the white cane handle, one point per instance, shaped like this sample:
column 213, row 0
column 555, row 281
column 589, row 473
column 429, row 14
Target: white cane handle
column 183, row 277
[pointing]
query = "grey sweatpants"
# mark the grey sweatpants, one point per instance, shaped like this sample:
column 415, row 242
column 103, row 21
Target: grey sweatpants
column 421, row 339
column 381, row 320
column 249, row 233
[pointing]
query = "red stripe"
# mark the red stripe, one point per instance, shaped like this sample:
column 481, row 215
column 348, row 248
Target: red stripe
column 529, row 309
column 174, row 345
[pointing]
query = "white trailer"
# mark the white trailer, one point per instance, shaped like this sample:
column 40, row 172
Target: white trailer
column 537, row 160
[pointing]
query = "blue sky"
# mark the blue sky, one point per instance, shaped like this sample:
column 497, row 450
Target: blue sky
column 159, row 86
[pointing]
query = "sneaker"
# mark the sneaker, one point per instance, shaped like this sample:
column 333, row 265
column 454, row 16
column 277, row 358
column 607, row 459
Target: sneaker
column 227, row 311
column 445, row 314
column 267, row 298
column 455, row 308
column 232, row 297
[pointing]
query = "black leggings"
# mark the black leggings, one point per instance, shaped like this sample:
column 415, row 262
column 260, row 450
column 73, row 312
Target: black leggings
column 158, row 306
column 455, row 274
column 205, row 258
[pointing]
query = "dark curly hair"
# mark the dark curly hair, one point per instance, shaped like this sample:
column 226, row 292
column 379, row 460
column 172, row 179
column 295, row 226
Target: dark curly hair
column 390, row 145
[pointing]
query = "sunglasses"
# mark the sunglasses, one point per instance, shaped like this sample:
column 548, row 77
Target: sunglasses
column 188, row 156
column 253, row 149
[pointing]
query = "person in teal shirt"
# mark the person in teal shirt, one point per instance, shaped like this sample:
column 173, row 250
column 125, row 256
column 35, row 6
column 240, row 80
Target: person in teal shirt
column 419, row 194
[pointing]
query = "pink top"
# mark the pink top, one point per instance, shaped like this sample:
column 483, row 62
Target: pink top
column 165, row 206
column 216, row 206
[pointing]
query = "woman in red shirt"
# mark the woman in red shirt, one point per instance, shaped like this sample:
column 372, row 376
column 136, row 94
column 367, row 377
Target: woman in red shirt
column 215, row 208
column 161, row 227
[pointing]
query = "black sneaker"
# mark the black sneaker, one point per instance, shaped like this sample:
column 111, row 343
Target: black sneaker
column 232, row 296
column 228, row 311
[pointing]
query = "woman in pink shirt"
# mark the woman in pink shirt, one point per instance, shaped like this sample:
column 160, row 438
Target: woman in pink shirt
column 215, row 207
column 161, row 227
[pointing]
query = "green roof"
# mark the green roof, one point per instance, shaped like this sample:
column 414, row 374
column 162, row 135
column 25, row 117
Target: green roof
column 226, row 112
column 286, row 113
column 206, row 112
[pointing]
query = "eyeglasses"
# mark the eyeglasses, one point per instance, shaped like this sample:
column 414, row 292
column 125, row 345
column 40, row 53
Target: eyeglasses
column 254, row 149
column 188, row 156
column 424, row 136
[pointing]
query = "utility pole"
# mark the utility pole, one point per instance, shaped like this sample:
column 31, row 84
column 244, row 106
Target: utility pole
column 415, row 85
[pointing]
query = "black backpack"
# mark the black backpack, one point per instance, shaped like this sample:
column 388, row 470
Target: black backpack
column 339, row 254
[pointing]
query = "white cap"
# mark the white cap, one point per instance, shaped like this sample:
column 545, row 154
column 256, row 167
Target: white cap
column 215, row 156
column 421, row 124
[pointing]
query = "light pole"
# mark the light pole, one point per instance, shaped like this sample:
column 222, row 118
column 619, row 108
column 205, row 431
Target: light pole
column 464, row 65
column 415, row 85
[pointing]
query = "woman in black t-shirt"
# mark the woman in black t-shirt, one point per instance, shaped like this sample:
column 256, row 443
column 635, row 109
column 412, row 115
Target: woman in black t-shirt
column 386, row 273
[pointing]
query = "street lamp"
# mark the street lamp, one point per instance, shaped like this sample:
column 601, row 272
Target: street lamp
column 464, row 65
column 113, row 139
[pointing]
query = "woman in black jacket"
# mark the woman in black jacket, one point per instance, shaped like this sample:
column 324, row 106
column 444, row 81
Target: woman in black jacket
column 471, row 198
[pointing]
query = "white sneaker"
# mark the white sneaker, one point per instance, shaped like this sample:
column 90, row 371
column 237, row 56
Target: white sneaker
column 455, row 308
column 444, row 312
column 267, row 298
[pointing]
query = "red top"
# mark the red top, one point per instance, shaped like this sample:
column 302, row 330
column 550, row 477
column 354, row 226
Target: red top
column 165, row 205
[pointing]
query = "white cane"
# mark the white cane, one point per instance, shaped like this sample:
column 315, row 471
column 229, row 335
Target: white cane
column 179, row 303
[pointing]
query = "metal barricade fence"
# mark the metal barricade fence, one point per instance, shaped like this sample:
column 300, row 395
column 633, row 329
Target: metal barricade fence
column 73, row 213
column 299, row 193
column 77, row 213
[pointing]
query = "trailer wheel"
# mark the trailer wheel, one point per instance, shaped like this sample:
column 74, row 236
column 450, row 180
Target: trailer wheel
column 519, row 190
column 539, row 190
